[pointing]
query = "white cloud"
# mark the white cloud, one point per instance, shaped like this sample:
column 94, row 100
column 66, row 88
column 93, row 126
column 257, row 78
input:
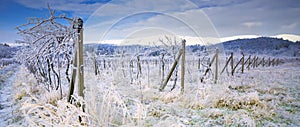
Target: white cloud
column 267, row 15
column 64, row 5
column 182, row 17
column 252, row 24
column 121, row 19
column 189, row 22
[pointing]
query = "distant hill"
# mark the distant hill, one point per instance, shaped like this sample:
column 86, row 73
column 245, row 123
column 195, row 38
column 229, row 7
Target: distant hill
column 260, row 45
column 264, row 45
column 6, row 54
column 7, row 51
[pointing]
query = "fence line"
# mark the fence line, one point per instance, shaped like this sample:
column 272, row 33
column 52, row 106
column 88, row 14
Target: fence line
column 240, row 65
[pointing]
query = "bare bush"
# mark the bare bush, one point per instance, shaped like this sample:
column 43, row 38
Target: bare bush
column 48, row 48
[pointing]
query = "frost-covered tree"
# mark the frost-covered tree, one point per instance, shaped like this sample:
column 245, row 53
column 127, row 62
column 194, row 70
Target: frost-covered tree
column 48, row 48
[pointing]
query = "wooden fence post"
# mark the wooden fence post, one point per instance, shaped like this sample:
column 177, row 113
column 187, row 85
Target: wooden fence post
column 263, row 61
column 240, row 61
column 211, row 62
column 162, row 87
column 269, row 63
column 229, row 59
column 256, row 62
column 162, row 67
column 80, row 68
column 232, row 62
column 104, row 64
column 95, row 66
column 243, row 62
column 249, row 62
column 182, row 66
column 217, row 63
column 78, row 62
column 73, row 78
column 199, row 62
column 139, row 67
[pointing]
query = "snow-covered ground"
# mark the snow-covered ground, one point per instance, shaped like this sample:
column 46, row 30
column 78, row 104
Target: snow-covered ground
column 263, row 96
column 7, row 103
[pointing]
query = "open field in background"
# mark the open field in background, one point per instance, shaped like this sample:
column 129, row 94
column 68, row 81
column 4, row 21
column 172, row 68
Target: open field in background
column 125, row 92
column 149, row 63
column 262, row 96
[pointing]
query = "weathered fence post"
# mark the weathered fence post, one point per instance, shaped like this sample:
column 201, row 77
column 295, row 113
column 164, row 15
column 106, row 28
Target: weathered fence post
column 162, row 87
column 253, row 63
column 240, row 61
column 182, row 66
column 131, row 71
column 73, row 78
column 78, row 62
column 263, row 61
column 243, row 60
column 229, row 60
column 139, row 67
column 232, row 62
column 80, row 59
column 199, row 62
column 249, row 58
column 162, row 67
column 104, row 64
column 217, row 63
column 269, row 63
column 95, row 66
column 256, row 62
column 273, row 62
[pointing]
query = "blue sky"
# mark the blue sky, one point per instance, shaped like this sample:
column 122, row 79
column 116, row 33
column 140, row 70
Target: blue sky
column 131, row 17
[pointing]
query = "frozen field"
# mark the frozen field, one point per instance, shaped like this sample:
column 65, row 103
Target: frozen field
column 263, row 96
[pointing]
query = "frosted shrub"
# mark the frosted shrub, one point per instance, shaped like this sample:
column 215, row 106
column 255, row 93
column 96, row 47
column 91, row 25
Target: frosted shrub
column 238, row 100
column 48, row 49
column 37, row 113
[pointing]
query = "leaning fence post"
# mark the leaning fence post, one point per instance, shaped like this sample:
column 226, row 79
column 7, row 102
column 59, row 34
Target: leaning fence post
column 232, row 62
column 182, row 66
column 256, row 62
column 162, row 87
column 273, row 62
column 229, row 59
column 72, row 83
column 217, row 63
column 249, row 60
column 243, row 60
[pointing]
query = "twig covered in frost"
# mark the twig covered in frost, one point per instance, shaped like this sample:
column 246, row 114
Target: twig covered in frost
column 48, row 48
